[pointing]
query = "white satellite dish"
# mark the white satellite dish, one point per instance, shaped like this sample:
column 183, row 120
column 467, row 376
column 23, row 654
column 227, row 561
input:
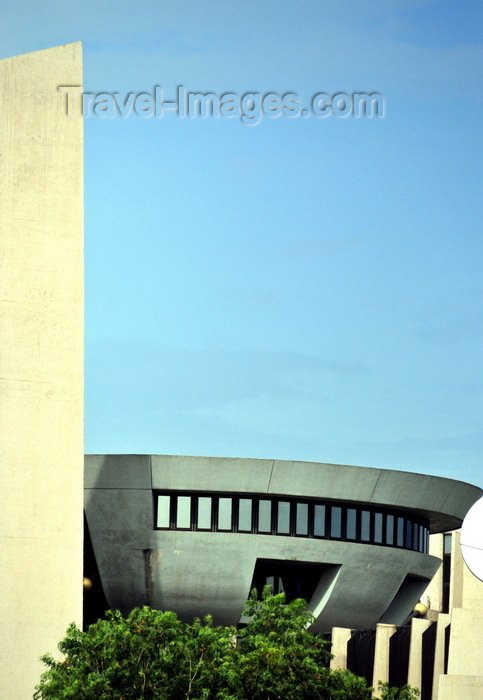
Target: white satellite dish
column 471, row 539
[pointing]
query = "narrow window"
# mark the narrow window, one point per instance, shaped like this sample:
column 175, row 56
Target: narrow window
column 224, row 514
column 409, row 534
column 264, row 516
column 351, row 531
column 245, row 515
column 378, row 527
column 204, row 513
column 447, row 540
column 415, row 536
column 421, row 539
column 365, row 526
column 302, row 520
column 283, row 519
column 319, row 521
column 163, row 511
column 336, row 521
column 183, row 512
column 390, row 529
column 400, row 532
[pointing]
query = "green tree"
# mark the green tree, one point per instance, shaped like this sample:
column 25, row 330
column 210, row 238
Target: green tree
column 281, row 659
column 149, row 654
column 406, row 692
column 154, row 655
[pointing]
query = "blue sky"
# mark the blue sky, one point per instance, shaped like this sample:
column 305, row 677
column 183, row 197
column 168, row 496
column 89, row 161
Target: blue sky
column 301, row 288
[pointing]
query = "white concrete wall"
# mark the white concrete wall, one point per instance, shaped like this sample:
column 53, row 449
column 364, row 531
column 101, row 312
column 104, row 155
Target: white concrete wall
column 41, row 362
column 466, row 643
column 460, row 687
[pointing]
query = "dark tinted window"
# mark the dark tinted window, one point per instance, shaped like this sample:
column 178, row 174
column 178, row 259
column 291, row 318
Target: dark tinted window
column 264, row 516
column 365, row 526
column 283, row 518
column 302, row 519
column 183, row 512
column 335, row 521
column 351, row 531
column 319, row 521
column 204, row 512
column 245, row 514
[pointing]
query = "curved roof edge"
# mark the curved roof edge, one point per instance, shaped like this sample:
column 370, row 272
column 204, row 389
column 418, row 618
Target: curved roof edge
column 444, row 502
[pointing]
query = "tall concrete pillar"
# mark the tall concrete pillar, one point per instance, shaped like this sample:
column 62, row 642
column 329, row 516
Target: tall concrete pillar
column 439, row 652
column 381, row 654
column 340, row 639
column 434, row 591
column 41, row 362
column 418, row 628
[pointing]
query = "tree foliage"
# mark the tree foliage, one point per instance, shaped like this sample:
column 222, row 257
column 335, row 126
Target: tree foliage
column 405, row 692
column 153, row 655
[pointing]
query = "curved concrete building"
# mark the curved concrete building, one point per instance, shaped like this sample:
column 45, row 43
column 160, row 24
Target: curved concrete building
column 195, row 534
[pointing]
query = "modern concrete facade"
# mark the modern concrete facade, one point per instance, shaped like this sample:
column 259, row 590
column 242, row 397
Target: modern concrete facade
column 188, row 534
column 41, row 362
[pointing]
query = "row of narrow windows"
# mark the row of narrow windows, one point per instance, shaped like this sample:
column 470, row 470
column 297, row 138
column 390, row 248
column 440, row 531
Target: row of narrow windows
column 288, row 516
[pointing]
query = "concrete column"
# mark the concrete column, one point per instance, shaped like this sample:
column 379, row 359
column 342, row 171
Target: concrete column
column 434, row 591
column 443, row 621
column 340, row 638
column 41, row 362
column 381, row 655
column 418, row 627
column 456, row 574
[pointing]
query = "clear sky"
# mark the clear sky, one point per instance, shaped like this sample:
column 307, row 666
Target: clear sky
column 303, row 288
